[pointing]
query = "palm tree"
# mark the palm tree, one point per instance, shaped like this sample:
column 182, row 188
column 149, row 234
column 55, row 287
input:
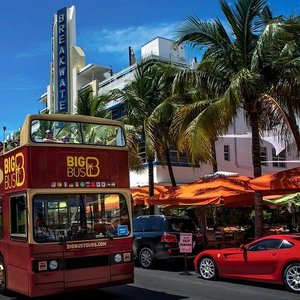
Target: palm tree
column 142, row 97
column 91, row 105
column 234, row 77
column 158, row 124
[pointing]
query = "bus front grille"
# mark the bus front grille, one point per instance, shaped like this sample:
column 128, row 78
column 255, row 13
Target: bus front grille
column 87, row 262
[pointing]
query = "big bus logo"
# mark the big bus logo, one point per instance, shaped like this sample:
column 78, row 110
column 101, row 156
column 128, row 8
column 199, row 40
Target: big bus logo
column 14, row 171
column 79, row 166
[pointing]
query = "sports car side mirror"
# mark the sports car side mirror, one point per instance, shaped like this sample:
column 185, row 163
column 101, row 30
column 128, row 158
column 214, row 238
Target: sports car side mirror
column 242, row 247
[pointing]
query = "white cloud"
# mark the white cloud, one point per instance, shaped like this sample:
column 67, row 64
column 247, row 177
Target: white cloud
column 118, row 40
column 38, row 49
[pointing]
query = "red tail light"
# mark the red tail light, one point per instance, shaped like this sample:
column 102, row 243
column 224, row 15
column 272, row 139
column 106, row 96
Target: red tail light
column 168, row 238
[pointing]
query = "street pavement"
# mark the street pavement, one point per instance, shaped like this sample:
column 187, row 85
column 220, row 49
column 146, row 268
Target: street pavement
column 168, row 283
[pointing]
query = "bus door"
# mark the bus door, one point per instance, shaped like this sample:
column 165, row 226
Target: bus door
column 15, row 250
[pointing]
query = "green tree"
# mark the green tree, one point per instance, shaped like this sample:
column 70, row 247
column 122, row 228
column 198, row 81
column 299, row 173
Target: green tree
column 237, row 75
column 158, row 136
column 141, row 96
column 90, row 105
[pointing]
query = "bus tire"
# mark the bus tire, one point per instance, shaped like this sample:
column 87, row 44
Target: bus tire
column 3, row 289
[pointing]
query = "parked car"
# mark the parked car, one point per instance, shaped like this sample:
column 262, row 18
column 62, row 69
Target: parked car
column 274, row 259
column 156, row 237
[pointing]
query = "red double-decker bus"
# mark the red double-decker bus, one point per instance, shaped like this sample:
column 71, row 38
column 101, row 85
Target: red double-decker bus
column 65, row 214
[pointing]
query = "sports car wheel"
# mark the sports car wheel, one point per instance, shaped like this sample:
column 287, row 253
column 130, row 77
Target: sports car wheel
column 291, row 277
column 146, row 258
column 208, row 269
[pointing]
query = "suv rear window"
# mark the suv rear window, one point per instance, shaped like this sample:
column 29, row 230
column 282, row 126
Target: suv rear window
column 181, row 225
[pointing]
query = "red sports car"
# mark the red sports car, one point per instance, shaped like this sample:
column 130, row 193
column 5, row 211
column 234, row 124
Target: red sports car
column 274, row 259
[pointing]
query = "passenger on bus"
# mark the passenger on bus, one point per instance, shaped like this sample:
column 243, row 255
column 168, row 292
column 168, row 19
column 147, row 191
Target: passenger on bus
column 65, row 139
column 49, row 137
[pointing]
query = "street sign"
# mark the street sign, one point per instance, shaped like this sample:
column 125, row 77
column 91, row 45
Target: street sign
column 186, row 242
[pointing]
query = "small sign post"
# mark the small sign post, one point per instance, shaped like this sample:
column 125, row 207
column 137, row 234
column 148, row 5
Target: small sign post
column 186, row 246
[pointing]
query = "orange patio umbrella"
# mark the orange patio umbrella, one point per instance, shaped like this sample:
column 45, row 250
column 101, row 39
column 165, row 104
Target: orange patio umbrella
column 282, row 182
column 140, row 195
column 228, row 191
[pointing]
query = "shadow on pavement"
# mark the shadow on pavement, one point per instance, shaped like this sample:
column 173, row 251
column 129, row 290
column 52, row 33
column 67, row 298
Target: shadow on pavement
column 173, row 266
column 252, row 283
column 111, row 293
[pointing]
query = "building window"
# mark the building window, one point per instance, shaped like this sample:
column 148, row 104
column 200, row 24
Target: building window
column 142, row 151
column 18, row 223
column 118, row 111
column 279, row 160
column 263, row 156
column 177, row 157
column 226, row 152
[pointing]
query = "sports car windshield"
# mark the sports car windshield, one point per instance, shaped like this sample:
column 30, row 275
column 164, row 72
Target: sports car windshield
column 60, row 218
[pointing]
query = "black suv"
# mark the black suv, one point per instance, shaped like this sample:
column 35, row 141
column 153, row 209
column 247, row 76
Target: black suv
column 156, row 237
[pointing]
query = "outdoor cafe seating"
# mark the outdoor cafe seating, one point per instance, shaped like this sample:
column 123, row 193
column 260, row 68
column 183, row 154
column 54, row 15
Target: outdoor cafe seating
column 225, row 237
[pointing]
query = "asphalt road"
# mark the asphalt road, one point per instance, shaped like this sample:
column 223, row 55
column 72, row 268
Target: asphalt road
column 167, row 283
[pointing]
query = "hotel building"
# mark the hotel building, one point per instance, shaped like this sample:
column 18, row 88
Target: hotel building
column 69, row 74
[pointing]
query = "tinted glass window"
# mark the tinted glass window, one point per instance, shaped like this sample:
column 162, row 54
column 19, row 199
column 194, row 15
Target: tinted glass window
column 181, row 225
column 285, row 245
column 79, row 217
column 45, row 131
column 18, row 216
column 151, row 224
column 138, row 225
column 161, row 224
column 270, row 244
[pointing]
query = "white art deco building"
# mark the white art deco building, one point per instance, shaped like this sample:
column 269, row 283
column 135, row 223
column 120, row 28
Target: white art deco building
column 69, row 73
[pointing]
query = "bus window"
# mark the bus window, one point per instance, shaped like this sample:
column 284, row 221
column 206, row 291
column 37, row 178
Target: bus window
column 45, row 131
column 79, row 217
column 18, row 216
column 1, row 219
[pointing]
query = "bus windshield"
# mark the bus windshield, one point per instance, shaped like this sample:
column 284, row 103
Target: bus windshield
column 48, row 131
column 71, row 217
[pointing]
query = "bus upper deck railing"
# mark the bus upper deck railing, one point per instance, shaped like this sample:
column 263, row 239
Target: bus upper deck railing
column 73, row 130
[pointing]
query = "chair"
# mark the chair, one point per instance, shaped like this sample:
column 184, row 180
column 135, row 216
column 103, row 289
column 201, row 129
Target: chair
column 214, row 240
column 239, row 236
column 229, row 240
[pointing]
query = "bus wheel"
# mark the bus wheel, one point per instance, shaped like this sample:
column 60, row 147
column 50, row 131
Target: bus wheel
column 3, row 289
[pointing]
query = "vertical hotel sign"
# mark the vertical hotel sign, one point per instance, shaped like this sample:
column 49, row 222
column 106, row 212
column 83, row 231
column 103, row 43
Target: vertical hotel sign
column 62, row 61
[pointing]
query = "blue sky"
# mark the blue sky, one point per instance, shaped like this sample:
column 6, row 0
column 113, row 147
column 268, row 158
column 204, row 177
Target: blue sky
column 105, row 30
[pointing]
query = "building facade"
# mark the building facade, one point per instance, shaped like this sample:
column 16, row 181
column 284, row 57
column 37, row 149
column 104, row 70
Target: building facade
column 69, row 74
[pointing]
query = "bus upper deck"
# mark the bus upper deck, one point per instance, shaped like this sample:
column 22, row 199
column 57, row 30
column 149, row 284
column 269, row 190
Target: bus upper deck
column 67, row 151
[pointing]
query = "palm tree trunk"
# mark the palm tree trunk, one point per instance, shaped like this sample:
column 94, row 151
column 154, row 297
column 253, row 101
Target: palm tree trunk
column 294, row 125
column 170, row 169
column 151, row 183
column 256, row 160
column 213, row 151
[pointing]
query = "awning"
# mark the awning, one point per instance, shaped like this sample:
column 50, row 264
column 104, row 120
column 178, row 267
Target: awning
column 227, row 191
column 278, row 183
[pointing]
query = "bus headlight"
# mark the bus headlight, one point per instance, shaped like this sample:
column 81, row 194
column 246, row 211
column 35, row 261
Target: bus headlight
column 53, row 265
column 118, row 258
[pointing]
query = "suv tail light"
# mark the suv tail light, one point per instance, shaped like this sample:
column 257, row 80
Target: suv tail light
column 199, row 237
column 168, row 238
